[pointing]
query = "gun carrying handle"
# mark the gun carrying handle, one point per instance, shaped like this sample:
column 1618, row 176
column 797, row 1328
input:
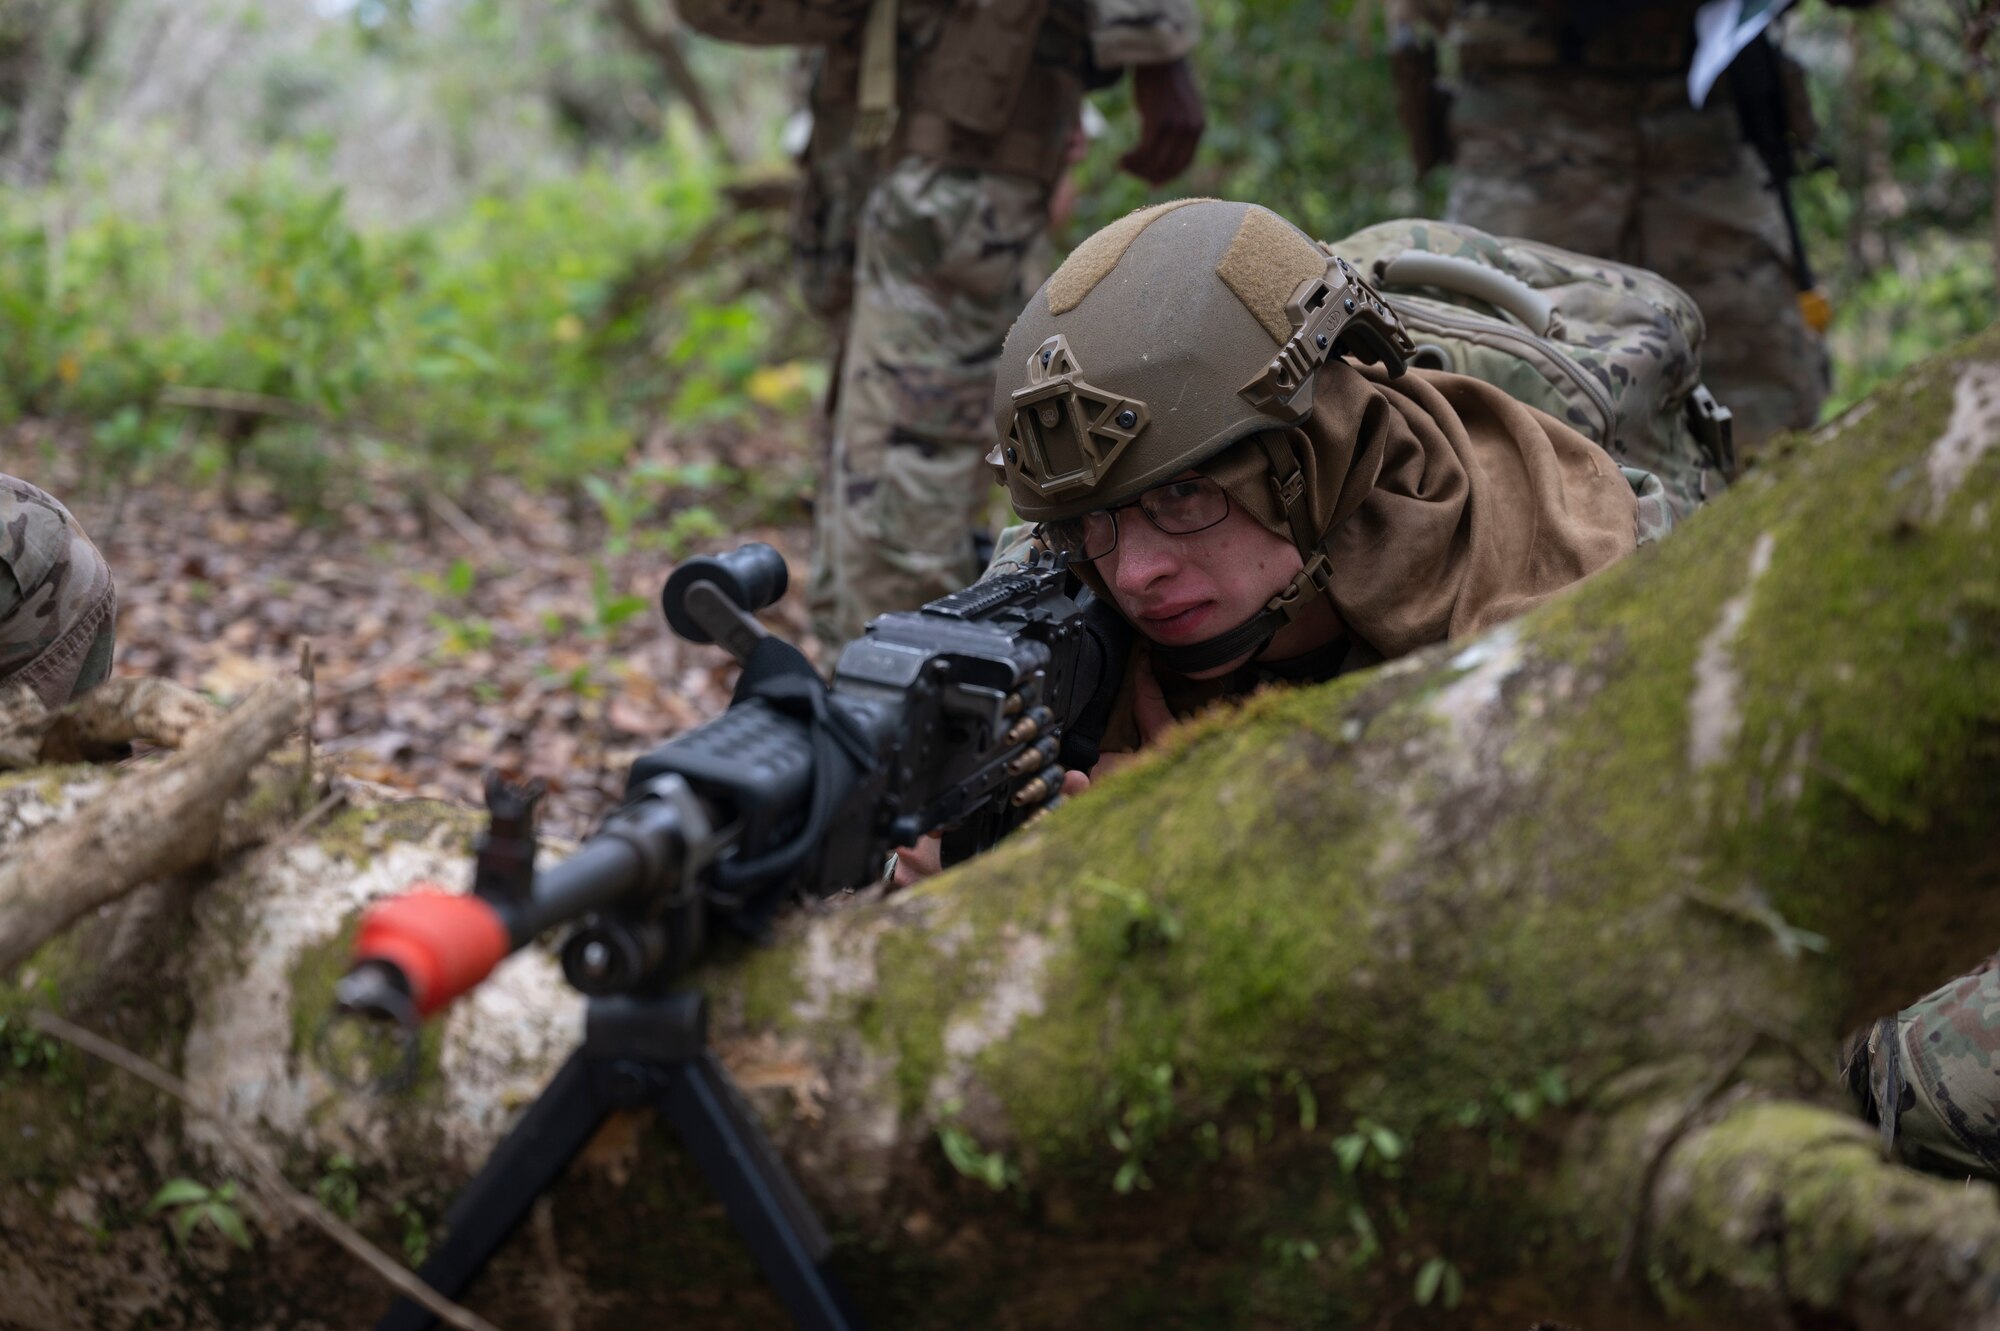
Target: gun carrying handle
column 442, row 943
column 1414, row 268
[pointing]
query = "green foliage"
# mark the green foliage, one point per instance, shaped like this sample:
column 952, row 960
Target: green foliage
column 1899, row 225
column 1370, row 1148
column 24, row 1050
column 527, row 334
column 338, row 1190
column 1301, row 116
column 992, row 1168
column 610, row 607
column 190, row 1204
column 416, row 1232
column 1438, row 1281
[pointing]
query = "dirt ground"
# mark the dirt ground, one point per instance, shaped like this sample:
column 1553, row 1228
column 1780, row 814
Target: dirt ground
column 448, row 634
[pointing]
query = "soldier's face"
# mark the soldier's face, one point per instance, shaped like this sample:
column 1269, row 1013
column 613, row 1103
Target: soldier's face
column 1179, row 590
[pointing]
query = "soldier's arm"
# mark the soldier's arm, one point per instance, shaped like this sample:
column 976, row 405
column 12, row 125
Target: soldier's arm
column 1154, row 37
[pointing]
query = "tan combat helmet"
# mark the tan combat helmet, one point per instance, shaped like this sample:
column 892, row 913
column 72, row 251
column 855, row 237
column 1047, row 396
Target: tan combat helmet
column 1165, row 338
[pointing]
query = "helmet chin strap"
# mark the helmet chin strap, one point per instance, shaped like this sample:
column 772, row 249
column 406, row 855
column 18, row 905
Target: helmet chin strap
column 1254, row 634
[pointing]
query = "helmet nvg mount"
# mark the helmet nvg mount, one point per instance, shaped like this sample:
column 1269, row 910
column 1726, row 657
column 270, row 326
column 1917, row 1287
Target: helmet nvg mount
column 1165, row 338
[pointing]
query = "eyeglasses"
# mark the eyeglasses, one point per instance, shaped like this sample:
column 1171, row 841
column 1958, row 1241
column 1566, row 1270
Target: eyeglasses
column 1178, row 508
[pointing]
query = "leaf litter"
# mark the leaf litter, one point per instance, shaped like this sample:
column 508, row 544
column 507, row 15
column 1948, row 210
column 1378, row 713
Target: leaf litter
column 530, row 641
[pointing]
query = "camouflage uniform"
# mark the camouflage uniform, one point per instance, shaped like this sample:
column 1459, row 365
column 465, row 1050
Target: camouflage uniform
column 1588, row 142
column 1930, row 1077
column 926, row 263
column 57, row 604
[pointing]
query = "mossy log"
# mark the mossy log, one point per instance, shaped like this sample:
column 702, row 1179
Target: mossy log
column 1496, row 986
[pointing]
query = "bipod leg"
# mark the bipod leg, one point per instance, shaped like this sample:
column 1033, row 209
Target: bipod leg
column 736, row 1158
column 533, row 1156
column 763, row 1201
column 640, row 1052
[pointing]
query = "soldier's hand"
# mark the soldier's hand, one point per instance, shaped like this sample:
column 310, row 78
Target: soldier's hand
column 1170, row 121
column 926, row 858
column 918, row 862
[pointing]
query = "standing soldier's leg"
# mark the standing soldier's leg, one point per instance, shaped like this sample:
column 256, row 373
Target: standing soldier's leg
column 57, row 607
column 1541, row 156
column 938, row 281
column 1712, row 225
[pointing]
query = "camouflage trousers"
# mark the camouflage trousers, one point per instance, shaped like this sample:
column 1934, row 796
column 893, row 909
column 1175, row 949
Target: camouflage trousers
column 942, row 265
column 1625, row 169
column 58, row 609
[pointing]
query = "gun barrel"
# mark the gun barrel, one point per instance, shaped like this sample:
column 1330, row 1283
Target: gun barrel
column 435, row 945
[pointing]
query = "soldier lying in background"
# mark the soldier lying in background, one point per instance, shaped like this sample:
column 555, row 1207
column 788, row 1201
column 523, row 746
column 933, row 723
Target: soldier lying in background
column 58, row 608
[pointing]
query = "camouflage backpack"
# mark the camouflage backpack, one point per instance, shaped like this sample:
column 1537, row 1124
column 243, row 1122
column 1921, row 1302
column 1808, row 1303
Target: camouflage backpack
column 1611, row 349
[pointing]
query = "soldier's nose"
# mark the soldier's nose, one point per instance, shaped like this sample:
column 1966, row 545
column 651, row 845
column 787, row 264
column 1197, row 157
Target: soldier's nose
column 1142, row 557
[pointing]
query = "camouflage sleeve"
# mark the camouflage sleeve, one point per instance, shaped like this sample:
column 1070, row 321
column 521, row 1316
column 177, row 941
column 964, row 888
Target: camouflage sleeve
column 1141, row 32
column 58, row 609
column 1656, row 511
column 1011, row 549
column 1926, row 1078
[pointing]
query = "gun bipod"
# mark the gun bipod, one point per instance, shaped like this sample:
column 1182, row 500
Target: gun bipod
column 638, row 1052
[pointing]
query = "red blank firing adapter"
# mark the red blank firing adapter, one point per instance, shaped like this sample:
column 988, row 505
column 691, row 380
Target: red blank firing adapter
column 442, row 943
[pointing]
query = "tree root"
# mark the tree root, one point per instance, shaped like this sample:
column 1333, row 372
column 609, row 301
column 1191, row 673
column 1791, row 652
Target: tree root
column 1790, row 1207
column 159, row 821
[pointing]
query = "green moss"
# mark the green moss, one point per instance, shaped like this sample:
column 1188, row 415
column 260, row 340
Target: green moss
column 57, row 1105
column 356, row 834
column 1819, row 1176
column 769, row 988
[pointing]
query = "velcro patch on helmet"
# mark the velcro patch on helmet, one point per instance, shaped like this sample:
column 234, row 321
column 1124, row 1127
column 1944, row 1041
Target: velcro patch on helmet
column 1264, row 266
column 1067, row 433
column 1092, row 261
column 1332, row 314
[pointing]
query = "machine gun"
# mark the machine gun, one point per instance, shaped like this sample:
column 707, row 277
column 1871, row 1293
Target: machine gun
column 960, row 717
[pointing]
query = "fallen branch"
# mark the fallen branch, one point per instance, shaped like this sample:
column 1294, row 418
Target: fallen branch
column 160, row 821
column 269, row 1177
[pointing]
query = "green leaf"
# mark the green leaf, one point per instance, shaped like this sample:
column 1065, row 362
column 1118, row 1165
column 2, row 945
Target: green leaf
column 183, row 1221
column 177, row 1192
column 1428, row 1279
column 459, row 581
column 615, row 612
column 1349, row 1149
column 1387, row 1144
column 229, row 1223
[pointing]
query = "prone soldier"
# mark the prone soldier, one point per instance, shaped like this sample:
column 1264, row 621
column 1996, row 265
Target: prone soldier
column 1178, row 413
column 1178, row 417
